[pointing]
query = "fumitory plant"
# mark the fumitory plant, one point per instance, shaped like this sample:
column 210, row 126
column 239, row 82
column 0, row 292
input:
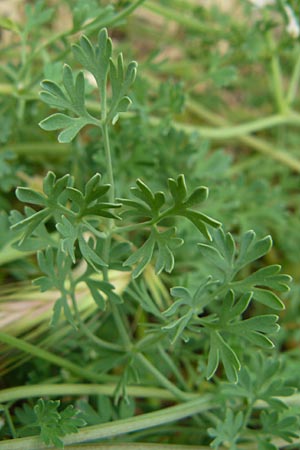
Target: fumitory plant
column 160, row 323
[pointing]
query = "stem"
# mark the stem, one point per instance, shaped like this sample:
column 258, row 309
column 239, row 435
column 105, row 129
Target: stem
column 137, row 446
column 235, row 131
column 109, row 166
column 181, row 19
column 10, row 422
column 294, row 82
column 254, row 142
column 161, row 378
column 38, row 352
column 40, row 149
column 276, row 74
column 118, row 427
column 58, row 390
column 85, row 330
column 170, row 363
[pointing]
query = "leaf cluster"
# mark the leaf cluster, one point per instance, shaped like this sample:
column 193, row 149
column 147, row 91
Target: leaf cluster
column 53, row 424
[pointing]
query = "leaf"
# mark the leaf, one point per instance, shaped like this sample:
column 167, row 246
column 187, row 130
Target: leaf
column 286, row 428
column 95, row 59
column 69, row 233
column 73, row 99
column 71, row 126
column 227, row 431
column 252, row 250
column 89, row 254
column 226, row 264
column 165, row 242
column 220, row 350
column 149, row 205
column 121, row 81
column 98, row 288
column 182, row 203
column 141, row 257
column 54, row 424
column 52, row 200
column 255, row 329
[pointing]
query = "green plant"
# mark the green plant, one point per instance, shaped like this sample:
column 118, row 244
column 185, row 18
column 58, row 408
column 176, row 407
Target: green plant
column 153, row 300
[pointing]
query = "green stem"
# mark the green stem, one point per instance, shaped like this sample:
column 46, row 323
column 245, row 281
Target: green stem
column 39, row 149
column 58, row 390
column 109, row 166
column 137, row 446
column 118, row 427
column 181, row 19
column 10, row 422
column 161, row 378
column 294, row 82
column 258, row 144
column 132, row 227
column 170, row 363
column 38, row 352
column 276, row 73
column 85, row 330
column 126, row 12
column 235, row 131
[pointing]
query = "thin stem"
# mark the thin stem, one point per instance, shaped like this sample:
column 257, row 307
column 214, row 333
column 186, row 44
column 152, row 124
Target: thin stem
column 58, row 390
column 276, row 74
column 107, row 21
column 40, row 149
column 118, row 427
column 181, row 19
column 294, row 82
column 161, row 378
column 85, row 330
column 170, row 363
column 235, row 131
column 10, row 422
column 109, row 166
column 132, row 227
column 137, row 446
column 121, row 327
column 258, row 144
column 38, row 352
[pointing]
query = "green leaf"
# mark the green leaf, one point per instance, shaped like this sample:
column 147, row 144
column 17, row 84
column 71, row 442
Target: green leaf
column 182, row 203
column 71, row 126
column 165, row 242
column 149, row 205
column 273, row 424
column 252, row 250
column 70, row 235
column 89, row 254
column 54, row 424
column 268, row 298
column 98, row 288
column 73, row 99
column 220, row 350
column 142, row 256
column 227, row 431
column 226, row 265
column 95, row 59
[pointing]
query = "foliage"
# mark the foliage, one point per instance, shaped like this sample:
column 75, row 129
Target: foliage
column 167, row 303
column 53, row 424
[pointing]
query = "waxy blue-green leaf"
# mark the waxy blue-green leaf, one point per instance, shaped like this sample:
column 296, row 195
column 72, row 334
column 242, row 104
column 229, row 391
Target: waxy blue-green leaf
column 102, row 292
column 90, row 255
column 95, row 59
column 72, row 99
column 71, row 126
column 226, row 263
column 221, row 351
column 153, row 205
column 165, row 242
